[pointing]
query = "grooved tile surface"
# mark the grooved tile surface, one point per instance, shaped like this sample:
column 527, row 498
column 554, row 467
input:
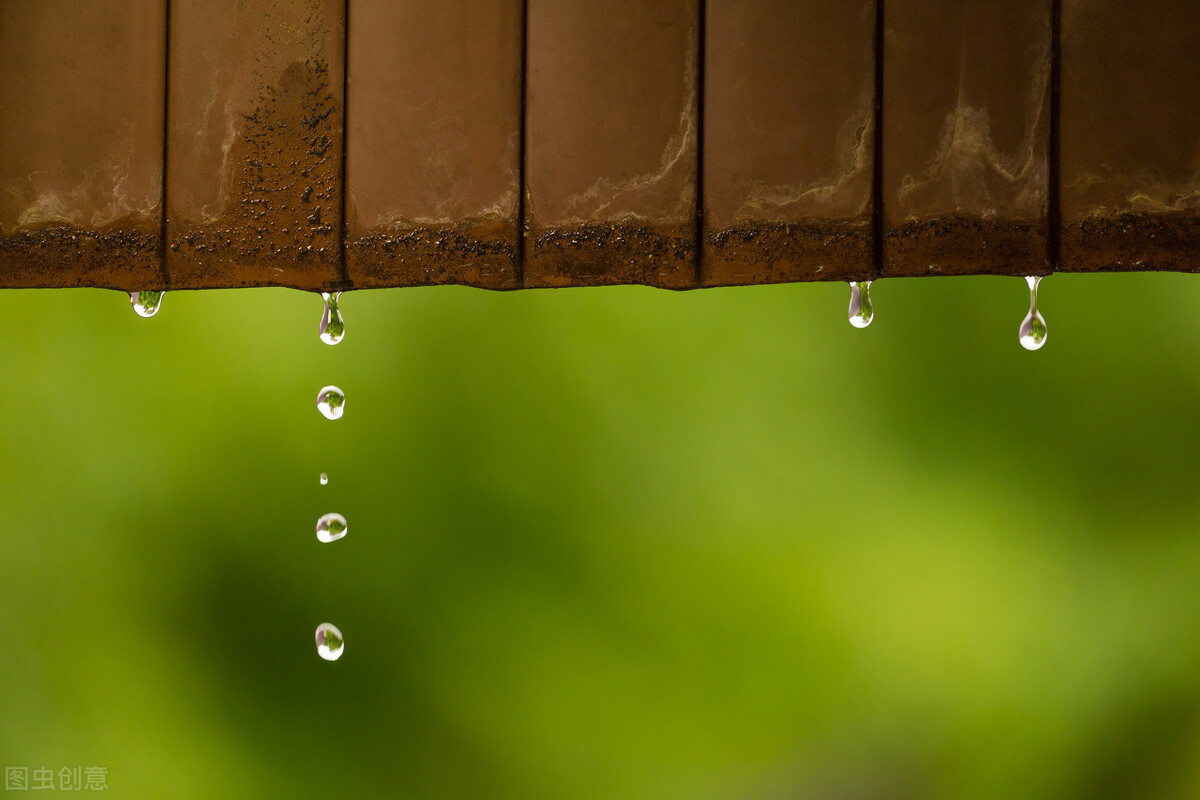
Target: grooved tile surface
column 81, row 121
column 611, row 142
column 254, row 146
column 433, row 148
column 788, row 140
column 966, row 125
column 1130, row 135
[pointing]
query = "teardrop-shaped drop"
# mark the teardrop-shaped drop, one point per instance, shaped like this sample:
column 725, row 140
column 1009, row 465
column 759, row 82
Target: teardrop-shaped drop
column 146, row 304
column 330, row 643
column 324, row 479
column 331, row 402
column 332, row 527
column 1033, row 331
column 861, row 310
column 332, row 327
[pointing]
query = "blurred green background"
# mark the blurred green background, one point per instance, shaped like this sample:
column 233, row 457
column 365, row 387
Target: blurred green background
column 608, row 543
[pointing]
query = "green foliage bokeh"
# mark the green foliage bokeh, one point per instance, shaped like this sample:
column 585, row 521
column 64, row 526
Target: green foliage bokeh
column 610, row 543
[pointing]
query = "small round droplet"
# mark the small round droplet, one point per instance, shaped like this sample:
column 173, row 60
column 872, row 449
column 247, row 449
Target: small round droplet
column 332, row 327
column 861, row 310
column 331, row 401
column 329, row 642
column 331, row 527
column 146, row 304
column 324, row 479
column 1033, row 331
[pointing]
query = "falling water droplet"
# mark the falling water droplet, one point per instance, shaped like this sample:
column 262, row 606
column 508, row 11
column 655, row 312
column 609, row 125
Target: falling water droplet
column 146, row 304
column 1033, row 327
column 331, row 527
column 330, row 643
column 324, row 479
column 331, row 402
column 861, row 310
column 332, row 327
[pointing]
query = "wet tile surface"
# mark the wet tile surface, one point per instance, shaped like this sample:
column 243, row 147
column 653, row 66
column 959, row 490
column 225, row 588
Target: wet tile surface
column 81, row 115
column 966, row 127
column 788, row 140
column 254, row 144
column 611, row 142
column 1130, row 135
column 433, row 150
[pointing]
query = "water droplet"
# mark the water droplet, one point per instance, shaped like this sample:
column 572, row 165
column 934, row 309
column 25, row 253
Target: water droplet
column 332, row 327
column 330, row 643
column 1033, row 328
column 146, row 304
column 324, row 479
column 331, row 401
column 861, row 310
column 332, row 527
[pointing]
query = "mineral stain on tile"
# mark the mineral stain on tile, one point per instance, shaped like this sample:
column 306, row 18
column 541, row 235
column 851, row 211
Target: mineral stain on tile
column 433, row 154
column 788, row 140
column 611, row 142
column 254, row 175
column 81, row 91
column 1130, row 136
column 966, row 137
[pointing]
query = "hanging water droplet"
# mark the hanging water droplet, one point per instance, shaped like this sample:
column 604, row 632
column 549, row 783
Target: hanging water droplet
column 332, row 327
column 324, row 479
column 332, row 527
column 861, row 310
column 1033, row 328
column 146, row 304
column 331, row 402
column 330, row 643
